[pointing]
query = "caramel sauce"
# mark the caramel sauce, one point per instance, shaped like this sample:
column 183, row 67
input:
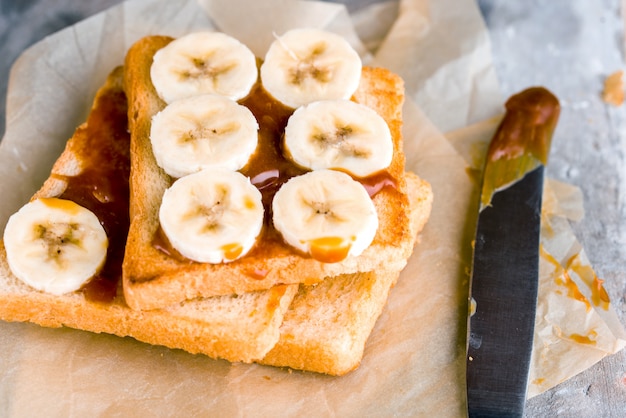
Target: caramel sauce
column 310, row 281
column 572, row 290
column 163, row 244
column 64, row 205
column 329, row 249
column 563, row 279
column 584, row 339
column 269, row 168
column 257, row 273
column 377, row 181
column 276, row 294
column 232, row 251
column 599, row 295
column 530, row 119
column 102, row 185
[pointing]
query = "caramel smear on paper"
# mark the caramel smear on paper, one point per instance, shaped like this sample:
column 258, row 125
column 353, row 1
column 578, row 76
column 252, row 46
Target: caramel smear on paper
column 585, row 339
column 613, row 92
column 572, row 289
column 539, row 381
column 599, row 295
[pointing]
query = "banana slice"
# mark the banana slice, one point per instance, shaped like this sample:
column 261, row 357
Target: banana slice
column 203, row 62
column 339, row 134
column 326, row 214
column 201, row 132
column 212, row 216
column 55, row 245
column 306, row 65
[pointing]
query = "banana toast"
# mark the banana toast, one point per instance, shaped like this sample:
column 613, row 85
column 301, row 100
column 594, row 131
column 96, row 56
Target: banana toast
column 321, row 327
column 153, row 278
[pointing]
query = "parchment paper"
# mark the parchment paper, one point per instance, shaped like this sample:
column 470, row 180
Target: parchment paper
column 414, row 360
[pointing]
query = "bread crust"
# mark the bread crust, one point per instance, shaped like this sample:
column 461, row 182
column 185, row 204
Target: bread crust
column 153, row 279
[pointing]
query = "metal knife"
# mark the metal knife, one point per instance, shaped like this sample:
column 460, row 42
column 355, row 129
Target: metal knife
column 505, row 267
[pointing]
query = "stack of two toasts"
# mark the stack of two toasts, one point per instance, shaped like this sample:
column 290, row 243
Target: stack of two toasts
column 273, row 305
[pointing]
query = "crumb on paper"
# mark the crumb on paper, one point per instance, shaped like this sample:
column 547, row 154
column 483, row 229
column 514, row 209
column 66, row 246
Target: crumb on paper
column 613, row 92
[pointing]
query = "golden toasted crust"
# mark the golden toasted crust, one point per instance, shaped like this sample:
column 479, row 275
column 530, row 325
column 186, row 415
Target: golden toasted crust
column 240, row 328
column 153, row 279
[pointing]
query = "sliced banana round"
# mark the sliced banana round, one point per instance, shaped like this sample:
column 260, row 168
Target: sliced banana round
column 325, row 214
column 201, row 132
column 306, row 65
column 212, row 216
column 339, row 134
column 55, row 245
column 203, row 62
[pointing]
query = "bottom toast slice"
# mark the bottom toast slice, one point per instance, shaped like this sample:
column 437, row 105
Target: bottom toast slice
column 327, row 325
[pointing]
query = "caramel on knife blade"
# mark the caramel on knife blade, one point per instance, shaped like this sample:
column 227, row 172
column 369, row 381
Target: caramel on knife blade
column 524, row 135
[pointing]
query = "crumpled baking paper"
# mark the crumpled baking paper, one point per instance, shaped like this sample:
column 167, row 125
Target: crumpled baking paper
column 415, row 358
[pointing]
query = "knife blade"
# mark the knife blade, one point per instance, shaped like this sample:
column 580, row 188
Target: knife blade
column 505, row 265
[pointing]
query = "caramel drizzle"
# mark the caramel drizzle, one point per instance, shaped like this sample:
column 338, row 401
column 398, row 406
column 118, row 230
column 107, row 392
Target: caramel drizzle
column 102, row 185
column 599, row 295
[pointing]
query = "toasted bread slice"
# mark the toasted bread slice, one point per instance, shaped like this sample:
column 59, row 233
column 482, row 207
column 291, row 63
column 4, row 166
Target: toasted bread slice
column 154, row 279
column 240, row 328
column 327, row 325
